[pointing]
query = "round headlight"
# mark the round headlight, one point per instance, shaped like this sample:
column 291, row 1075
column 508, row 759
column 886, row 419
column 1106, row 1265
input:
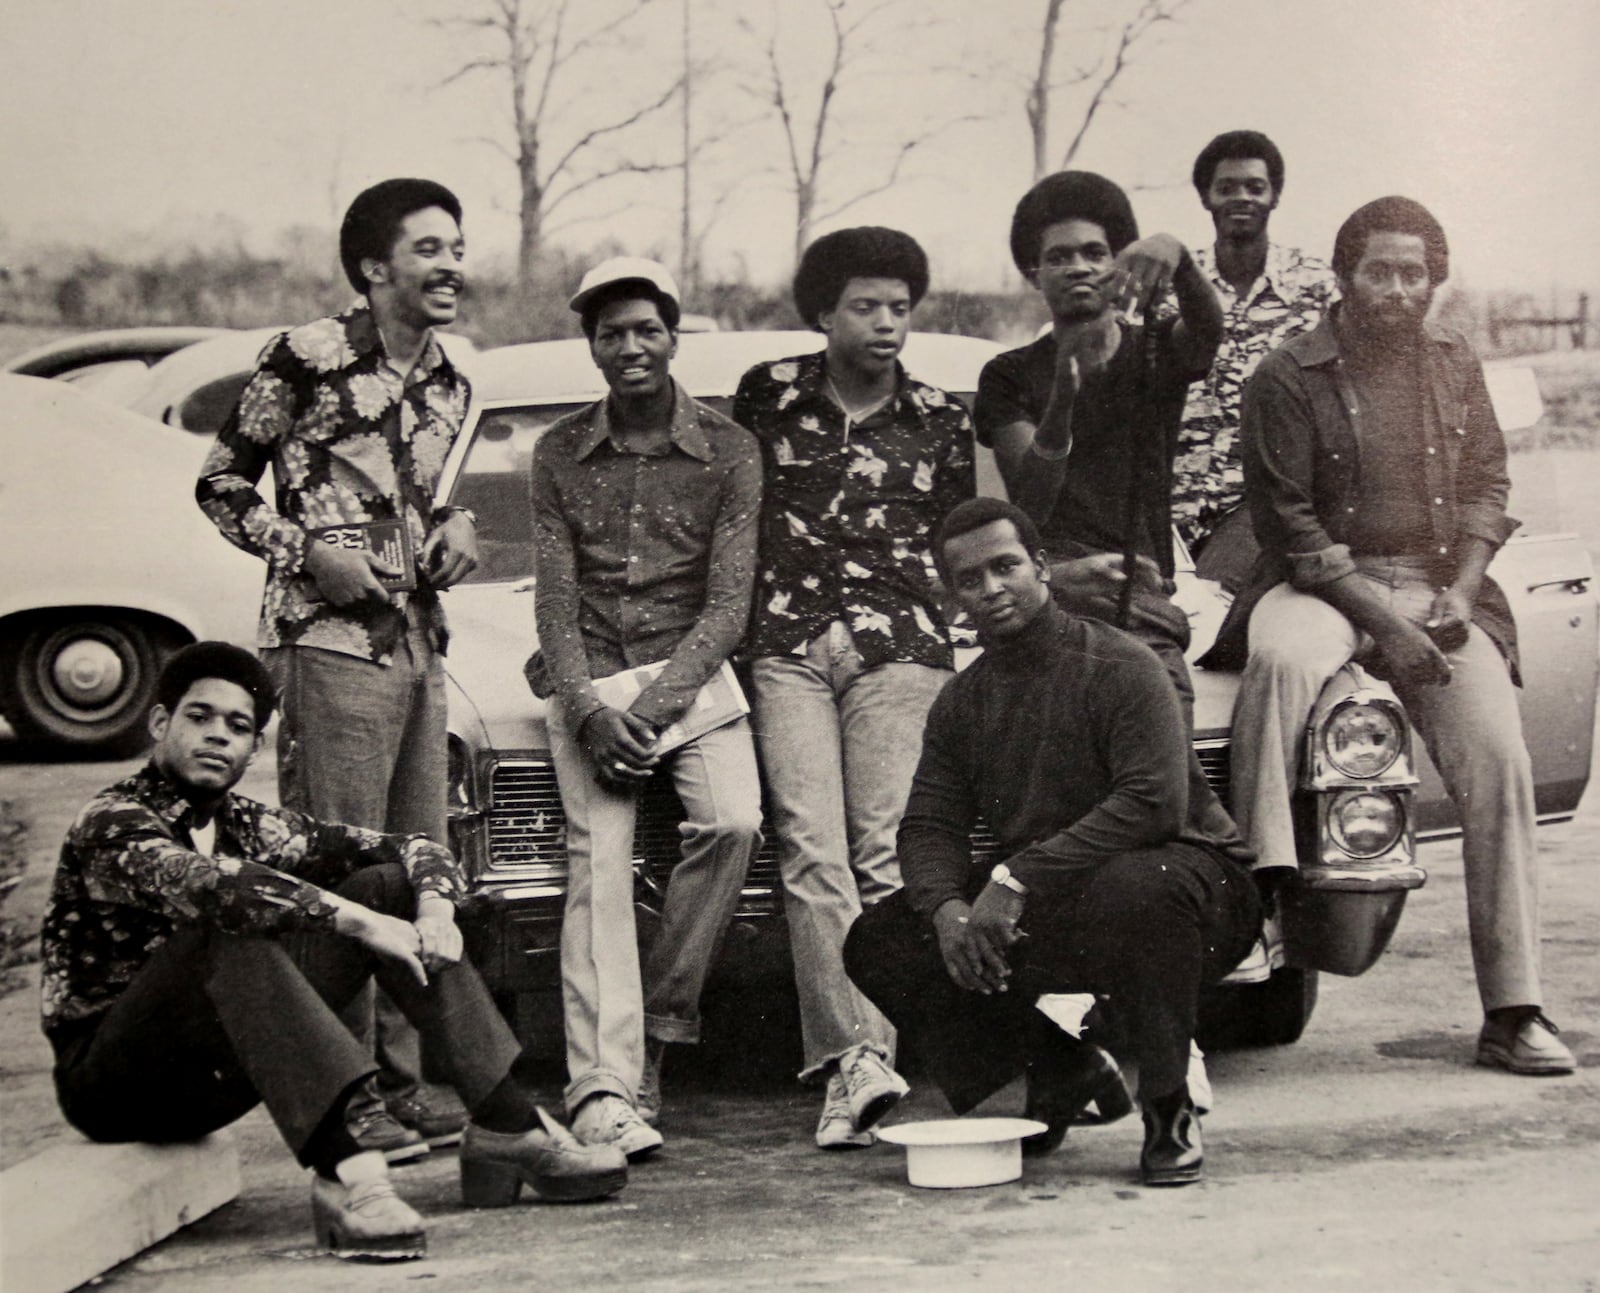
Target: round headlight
column 1366, row 823
column 1363, row 739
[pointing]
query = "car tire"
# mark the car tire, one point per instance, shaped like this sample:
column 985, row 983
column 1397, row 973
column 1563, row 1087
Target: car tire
column 1273, row 1013
column 86, row 679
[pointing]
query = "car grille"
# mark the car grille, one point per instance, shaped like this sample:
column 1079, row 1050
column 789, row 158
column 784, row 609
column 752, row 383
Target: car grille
column 527, row 835
column 1214, row 763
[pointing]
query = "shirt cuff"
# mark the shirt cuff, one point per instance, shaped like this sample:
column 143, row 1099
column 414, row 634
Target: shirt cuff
column 1493, row 527
column 1313, row 569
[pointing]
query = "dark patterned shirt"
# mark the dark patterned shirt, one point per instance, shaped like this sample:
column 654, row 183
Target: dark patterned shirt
column 848, row 512
column 1291, row 294
column 348, row 440
column 129, row 875
column 643, row 556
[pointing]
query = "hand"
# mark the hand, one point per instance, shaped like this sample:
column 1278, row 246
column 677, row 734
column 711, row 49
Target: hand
column 1410, row 658
column 1147, row 268
column 1449, row 619
column 620, row 744
column 450, row 553
column 386, row 936
column 1093, row 585
column 995, row 915
column 347, row 576
column 974, row 964
column 438, row 936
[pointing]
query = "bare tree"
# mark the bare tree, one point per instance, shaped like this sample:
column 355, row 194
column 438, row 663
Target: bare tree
column 807, row 112
column 540, row 46
column 1095, row 78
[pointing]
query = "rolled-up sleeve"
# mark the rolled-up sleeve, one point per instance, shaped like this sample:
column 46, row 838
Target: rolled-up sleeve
column 1278, row 431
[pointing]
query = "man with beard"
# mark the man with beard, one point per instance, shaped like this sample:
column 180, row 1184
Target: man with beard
column 1067, row 739
column 644, row 519
column 1269, row 293
column 196, row 944
column 355, row 415
column 1376, row 477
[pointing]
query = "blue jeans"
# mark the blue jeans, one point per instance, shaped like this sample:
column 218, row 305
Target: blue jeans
column 603, row 996
column 840, row 744
column 365, row 744
column 1472, row 730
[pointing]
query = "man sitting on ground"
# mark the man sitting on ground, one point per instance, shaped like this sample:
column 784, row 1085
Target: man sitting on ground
column 197, row 945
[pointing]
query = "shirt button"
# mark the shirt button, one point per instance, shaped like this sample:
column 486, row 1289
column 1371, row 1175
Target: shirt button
column 1439, row 502
column 1442, row 551
column 1350, row 510
column 1335, row 457
column 1431, row 449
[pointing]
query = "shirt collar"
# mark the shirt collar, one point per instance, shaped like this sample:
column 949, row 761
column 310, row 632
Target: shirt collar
column 361, row 331
column 159, row 793
column 813, row 384
column 1276, row 265
column 685, row 432
column 1321, row 345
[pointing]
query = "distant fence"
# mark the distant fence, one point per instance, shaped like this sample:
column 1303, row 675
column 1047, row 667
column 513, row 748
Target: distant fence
column 1509, row 332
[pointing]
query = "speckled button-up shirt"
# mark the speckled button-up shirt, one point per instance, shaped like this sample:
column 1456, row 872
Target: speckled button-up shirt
column 643, row 556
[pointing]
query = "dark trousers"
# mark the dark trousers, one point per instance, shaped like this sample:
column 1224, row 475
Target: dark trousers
column 1146, row 929
column 215, row 1023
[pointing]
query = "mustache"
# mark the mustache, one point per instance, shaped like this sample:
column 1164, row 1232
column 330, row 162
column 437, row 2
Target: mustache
column 445, row 278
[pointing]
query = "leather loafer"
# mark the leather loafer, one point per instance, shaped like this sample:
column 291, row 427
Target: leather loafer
column 1062, row 1083
column 360, row 1218
column 547, row 1158
column 1525, row 1044
column 1173, row 1154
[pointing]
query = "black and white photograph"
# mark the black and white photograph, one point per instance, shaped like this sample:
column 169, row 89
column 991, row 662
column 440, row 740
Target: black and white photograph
column 724, row 644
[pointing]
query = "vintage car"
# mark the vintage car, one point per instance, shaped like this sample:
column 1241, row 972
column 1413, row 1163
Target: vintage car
column 1368, row 793
column 106, row 565
column 108, row 360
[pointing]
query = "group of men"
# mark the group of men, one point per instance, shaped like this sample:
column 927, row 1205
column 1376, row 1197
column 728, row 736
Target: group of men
column 823, row 536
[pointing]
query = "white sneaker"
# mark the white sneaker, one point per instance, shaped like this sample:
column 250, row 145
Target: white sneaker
column 874, row 1088
column 1199, row 1081
column 608, row 1119
column 833, row 1129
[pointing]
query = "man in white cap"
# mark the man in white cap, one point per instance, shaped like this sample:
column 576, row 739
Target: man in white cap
column 645, row 506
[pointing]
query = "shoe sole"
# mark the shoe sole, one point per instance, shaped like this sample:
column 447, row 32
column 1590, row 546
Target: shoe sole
column 1176, row 1176
column 579, row 1189
column 379, row 1248
column 1491, row 1059
column 444, row 1140
column 855, row 1140
column 403, row 1154
column 875, row 1109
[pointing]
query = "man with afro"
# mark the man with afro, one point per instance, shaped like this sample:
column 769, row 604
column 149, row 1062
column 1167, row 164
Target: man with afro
column 847, row 638
column 355, row 415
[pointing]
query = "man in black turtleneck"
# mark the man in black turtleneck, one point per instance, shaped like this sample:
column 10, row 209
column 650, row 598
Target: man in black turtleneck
column 1067, row 738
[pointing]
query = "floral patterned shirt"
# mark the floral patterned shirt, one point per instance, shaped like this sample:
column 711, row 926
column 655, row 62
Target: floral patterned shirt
column 847, row 512
column 1288, row 298
column 348, row 440
column 129, row 875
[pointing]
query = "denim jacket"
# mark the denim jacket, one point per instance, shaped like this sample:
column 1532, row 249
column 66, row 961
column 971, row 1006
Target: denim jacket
column 1301, row 430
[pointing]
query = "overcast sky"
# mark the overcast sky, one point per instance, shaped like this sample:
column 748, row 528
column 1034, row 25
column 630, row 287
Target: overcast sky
column 177, row 119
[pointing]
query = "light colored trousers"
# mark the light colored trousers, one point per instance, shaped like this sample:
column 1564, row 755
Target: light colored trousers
column 365, row 744
column 1471, row 727
column 840, row 745
column 607, row 1013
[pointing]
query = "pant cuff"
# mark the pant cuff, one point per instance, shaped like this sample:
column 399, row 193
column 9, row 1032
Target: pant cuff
column 812, row 1073
column 596, row 1083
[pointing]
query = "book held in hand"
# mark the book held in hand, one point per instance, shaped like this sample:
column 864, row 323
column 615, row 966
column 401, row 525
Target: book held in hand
column 390, row 540
column 720, row 702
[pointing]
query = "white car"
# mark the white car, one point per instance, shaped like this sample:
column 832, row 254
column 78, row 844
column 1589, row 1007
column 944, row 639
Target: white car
column 1362, row 814
column 106, row 565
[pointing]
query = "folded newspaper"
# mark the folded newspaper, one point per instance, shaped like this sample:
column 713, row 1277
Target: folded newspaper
column 720, row 702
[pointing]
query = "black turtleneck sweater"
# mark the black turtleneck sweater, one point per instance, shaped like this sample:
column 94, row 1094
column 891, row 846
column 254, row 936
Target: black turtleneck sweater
column 1067, row 739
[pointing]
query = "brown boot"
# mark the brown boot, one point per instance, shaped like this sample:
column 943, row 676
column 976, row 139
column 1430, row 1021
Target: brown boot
column 548, row 1158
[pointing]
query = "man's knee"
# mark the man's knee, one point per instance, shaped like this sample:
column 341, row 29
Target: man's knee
column 877, row 948
column 384, row 888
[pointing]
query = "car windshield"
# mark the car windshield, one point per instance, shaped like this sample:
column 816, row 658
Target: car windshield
column 493, row 482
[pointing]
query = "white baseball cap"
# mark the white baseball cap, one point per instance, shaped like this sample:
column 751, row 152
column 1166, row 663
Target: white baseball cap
column 625, row 269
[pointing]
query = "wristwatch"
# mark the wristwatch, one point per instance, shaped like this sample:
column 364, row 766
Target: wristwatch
column 1002, row 876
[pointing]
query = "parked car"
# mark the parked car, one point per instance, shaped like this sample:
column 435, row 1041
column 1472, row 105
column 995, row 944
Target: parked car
column 1369, row 794
column 195, row 389
column 106, row 565
column 102, row 361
